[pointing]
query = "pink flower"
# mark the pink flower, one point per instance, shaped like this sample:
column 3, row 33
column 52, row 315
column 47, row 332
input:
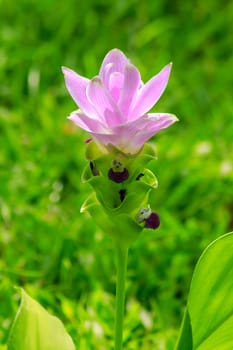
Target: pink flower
column 114, row 104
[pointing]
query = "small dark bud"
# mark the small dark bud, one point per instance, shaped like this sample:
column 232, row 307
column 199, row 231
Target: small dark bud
column 152, row 221
column 139, row 176
column 118, row 173
column 94, row 169
column 118, row 176
column 148, row 217
column 122, row 194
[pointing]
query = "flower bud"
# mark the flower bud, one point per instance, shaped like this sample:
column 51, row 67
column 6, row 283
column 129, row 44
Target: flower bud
column 118, row 173
column 150, row 218
column 152, row 221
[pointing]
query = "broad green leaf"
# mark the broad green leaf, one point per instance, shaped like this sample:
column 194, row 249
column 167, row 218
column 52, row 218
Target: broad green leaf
column 35, row 329
column 210, row 301
column 185, row 338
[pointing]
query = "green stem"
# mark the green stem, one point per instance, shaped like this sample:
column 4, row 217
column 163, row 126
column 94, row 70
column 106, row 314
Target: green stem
column 121, row 255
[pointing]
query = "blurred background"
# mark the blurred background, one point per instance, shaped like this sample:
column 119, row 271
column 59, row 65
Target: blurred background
column 57, row 254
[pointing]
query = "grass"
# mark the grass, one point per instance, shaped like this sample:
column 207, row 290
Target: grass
column 46, row 245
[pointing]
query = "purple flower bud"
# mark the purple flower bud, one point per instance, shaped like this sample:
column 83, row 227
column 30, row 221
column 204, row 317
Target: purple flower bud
column 118, row 176
column 152, row 221
column 118, row 173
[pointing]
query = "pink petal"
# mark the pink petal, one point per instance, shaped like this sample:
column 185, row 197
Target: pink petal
column 74, row 117
column 93, row 127
column 77, row 85
column 132, row 135
column 132, row 82
column 85, row 122
column 115, row 85
column 149, row 94
column 108, row 69
column 105, row 139
column 150, row 126
column 117, row 58
column 153, row 122
column 103, row 103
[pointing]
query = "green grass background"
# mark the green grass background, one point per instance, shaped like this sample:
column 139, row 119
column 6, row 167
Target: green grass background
column 46, row 245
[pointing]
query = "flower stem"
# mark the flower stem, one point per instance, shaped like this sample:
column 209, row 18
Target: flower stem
column 121, row 255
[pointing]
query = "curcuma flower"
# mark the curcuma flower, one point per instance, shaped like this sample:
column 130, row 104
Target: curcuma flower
column 114, row 104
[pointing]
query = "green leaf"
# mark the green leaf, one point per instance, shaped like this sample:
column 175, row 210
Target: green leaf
column 185, row 338
column 35, row 329
column 210, row 301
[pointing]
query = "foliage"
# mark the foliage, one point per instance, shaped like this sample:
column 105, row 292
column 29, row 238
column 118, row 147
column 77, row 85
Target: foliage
column 35, row 329
column 46, row 246
column 208, row 319
column 207, row 322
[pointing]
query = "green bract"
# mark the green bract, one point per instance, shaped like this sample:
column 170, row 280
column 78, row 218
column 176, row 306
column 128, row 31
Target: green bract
column 114, row 205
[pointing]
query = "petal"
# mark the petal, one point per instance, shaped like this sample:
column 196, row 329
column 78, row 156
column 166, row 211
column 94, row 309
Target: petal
column 105, row 139
column 149, row 94
column 115, row 85
column 155, row 121
column 84, row 122
column 77, row 85
column 150, row 125
column 95, row 129
column 132, row 82
column 108, row 69
column 103, row 103
column 133, row 135
column 117, row 58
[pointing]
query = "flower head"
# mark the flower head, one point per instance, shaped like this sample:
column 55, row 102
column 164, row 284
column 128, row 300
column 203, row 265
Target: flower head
column 114, row 104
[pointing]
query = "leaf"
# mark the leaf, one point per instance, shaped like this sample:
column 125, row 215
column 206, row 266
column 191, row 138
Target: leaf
column 210, row 301
column 185, row 338
column 35, row 329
